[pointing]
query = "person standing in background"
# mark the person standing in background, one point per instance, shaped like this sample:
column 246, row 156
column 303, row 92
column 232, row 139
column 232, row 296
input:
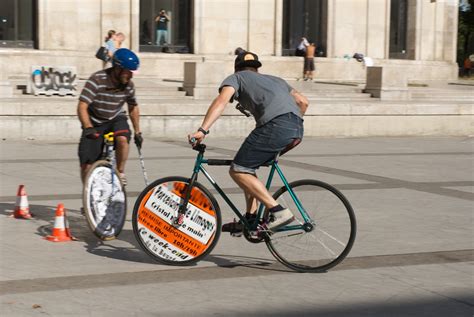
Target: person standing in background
column 301, row 48
column 309, row 62
column 110, row 46
column 119, row 38
column 162, row 28
column 467, row 65
column 113, row 42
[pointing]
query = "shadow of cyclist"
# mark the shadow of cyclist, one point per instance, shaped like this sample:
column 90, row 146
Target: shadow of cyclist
column 233, row 261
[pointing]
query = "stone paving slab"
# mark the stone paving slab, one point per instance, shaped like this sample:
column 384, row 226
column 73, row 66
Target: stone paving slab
column 413, row 253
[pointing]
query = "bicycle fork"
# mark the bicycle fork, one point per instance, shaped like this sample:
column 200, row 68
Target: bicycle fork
column 179, row 219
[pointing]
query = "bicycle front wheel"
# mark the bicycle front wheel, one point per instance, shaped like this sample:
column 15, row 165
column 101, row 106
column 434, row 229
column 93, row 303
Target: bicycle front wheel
column 104, row 200
column 153, row 215
column 323, row 236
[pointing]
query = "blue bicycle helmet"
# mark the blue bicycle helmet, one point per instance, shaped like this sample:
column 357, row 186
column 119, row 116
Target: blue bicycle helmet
column 126, row 59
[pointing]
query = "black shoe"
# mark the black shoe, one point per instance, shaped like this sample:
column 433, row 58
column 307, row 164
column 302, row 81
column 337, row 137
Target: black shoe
column 236, row 228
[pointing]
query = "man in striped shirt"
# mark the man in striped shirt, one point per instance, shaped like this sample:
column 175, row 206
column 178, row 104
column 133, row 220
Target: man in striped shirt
column 100, row 111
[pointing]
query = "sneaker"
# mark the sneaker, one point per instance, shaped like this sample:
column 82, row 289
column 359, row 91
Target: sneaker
column 123, row 178
column 236, row 228
column 279, row 219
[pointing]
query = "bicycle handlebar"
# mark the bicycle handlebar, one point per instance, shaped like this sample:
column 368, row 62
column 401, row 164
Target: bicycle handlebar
column 201, row 148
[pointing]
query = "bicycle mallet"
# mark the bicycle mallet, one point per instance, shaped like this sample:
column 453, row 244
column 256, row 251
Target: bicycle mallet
column 142, row 164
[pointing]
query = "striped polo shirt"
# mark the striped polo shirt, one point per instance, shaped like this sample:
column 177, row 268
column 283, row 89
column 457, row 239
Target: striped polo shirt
column 104, row 99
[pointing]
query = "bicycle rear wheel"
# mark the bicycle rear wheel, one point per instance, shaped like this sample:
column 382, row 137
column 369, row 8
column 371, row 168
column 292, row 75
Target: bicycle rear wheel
column 104, row 201
column 320, row 242
column 153, row 215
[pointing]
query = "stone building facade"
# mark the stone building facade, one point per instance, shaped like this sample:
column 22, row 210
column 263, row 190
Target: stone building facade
column 418, row 36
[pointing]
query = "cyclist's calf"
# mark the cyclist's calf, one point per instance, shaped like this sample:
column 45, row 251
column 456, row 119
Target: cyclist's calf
column 121, row 148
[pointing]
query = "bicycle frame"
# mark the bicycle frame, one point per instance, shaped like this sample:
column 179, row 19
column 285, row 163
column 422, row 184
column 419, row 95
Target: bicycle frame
column 198, row 167
column 109, row 148
column 109, row 154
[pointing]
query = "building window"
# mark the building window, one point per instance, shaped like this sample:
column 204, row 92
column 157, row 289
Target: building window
column 168, row 32
column 398, row 29
column 18, row 23
column 304, row 18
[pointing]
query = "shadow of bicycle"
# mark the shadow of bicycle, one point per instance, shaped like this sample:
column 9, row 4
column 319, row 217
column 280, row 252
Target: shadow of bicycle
column 125, row 247
column 233, row 261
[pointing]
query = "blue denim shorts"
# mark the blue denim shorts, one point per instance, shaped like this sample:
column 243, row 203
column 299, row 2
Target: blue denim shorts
column 266, row 141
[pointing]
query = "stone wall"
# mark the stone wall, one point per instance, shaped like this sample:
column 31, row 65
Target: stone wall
column 70, row 31
column 17, row 63
column 24, row 119
column 81, row 25
column 219, row 27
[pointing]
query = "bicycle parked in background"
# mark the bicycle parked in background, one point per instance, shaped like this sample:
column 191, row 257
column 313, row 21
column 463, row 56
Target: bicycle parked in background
column 177, row 221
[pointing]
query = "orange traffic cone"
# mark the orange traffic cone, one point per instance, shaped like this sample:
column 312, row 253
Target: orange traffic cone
column 61, row 231
column 22, row 209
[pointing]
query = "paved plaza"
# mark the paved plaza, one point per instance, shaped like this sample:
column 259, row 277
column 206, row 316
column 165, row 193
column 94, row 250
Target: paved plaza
column 413, row 255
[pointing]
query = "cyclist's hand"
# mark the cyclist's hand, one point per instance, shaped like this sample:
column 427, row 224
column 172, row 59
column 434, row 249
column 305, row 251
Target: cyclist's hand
column 91, row 133
column 195, row 138
column 138, row 140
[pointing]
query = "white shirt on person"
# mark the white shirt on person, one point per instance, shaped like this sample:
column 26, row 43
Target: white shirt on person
column 303, row 44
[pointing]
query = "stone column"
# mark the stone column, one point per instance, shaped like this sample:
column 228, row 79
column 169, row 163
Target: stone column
column 202, row 79
column 261, row 31
column 387, row 83
column 6, row 89
column 134, row 25
column 278, row 27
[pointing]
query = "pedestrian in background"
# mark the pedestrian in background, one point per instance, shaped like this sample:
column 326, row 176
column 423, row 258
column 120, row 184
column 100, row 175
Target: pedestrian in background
column 162, row 28
column 308, row 67
column 301, row 48
column 109, row 45
column 467, row 67
column 113, row 43
column 119, row 39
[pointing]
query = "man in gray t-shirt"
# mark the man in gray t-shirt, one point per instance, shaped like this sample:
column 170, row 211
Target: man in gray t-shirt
column 264, row 96
column 278, row 110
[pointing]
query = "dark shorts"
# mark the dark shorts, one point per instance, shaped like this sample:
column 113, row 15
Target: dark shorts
column 90, row 150
column 266, row 141
column 308, row 64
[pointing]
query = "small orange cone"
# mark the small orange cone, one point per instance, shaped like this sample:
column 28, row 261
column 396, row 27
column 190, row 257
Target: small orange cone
column 61, row 231
column 22, row 209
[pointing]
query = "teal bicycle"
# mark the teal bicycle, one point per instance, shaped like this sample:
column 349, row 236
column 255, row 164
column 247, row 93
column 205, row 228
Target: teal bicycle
column 177, row 221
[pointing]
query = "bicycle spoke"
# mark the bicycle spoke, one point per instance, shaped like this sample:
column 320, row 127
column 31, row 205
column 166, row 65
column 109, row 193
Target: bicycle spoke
column 323, row 244
column 328, row 242
column 332, row 237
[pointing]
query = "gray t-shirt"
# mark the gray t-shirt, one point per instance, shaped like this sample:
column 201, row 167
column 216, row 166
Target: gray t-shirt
column 265, row 96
